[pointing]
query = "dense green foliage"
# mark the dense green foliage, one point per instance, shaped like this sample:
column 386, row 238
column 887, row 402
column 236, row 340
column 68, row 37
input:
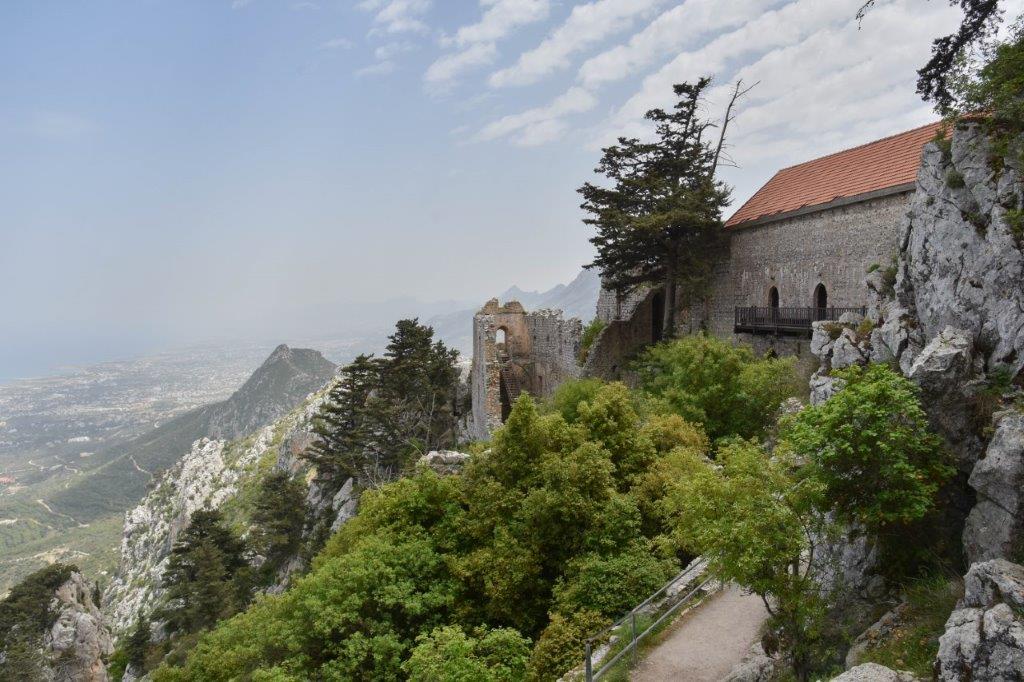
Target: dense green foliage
column 206, row 576
column 553, row 530
column 450, row 654
column 278, row 515
column 384, row 411
column 870, row 446
column 997, row 88
column 658, row 220
column 724, row 387
column 757, row 525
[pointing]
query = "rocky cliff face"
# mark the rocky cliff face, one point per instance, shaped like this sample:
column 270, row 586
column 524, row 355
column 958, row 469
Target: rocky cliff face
column 78, row 641
column 211, row 475
column 950, row 314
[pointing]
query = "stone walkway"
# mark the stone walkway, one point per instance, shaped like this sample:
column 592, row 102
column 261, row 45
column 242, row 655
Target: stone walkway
column 707, row 642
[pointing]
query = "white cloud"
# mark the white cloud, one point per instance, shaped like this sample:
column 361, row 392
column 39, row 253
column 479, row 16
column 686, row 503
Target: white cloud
column 542, row 124
column 587, row 25
column 377, row 69
column 442, row 73
column 239, row 4
column 476, row 44
column 398, row 16
column 670, row 32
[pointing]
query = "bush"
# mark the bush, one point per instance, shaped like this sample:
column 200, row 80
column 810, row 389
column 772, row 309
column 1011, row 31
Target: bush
column 725, row 388
column 636, row 573
column 448, row 653
column 871, row 448
column 954, row 179
column 568, row 397
column 561, row 646
column 26, row 609
column 590, row 334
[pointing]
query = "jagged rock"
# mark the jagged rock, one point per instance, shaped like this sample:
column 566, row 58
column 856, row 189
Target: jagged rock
column 79, row 640
column 878, row 632
column 944, row 362
column 756, row 666
column 872, row 672
column 344, row 504
column 207, row 477
column 845, row 350
column 984, row 638
column 824, row 387
column 444, row 462
column 850, row 570
column 993, row 528
column 960, row 264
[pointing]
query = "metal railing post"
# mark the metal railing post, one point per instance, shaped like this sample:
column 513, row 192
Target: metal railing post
column 632, row 623
column 589, row 665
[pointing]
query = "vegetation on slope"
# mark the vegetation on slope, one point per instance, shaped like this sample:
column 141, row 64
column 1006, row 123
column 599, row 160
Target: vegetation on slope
column 558, row 526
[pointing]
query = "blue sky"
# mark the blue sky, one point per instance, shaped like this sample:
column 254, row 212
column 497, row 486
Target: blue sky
column 184, row 170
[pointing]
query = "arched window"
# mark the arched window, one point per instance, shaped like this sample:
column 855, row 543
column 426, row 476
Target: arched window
column 773, row 297
column 501, row 343
column 499, row 336
column 820, row 296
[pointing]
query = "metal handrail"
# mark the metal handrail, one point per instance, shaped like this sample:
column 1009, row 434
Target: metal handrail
column 590, row 675
column 787, row 319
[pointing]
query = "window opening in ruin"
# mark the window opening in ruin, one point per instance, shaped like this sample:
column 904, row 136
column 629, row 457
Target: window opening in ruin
column 500, row 342
column 506, row 399
column 657, row 317
column 773, row 297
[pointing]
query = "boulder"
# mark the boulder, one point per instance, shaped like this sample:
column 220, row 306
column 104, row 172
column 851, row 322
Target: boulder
column 994, row 525
column 984, row 638
column 872, row 672
column 444, row 462
column 879, row 631
column 756, row 666
column 78, row 641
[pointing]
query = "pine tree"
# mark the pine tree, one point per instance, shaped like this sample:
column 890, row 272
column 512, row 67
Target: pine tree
column 279, row 513
column 342, row 426
column 659, row 223
column 136, row 645
column 200, row 573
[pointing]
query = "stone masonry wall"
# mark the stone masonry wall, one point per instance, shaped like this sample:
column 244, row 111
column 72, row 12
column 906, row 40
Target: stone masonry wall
column 834, row 247
column 540, row 349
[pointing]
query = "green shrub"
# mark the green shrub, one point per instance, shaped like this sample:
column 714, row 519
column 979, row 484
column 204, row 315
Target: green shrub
column 726, row 388
column 636, row 573
column 26, row 609
column 448, row 653
column 568, row 397
column 561, row 645
column 954, row 179
column 871, row 447
column 590, row 334
column 1015, row 221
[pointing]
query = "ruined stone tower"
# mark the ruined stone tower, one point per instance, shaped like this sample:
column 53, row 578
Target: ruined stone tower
column 515, row 351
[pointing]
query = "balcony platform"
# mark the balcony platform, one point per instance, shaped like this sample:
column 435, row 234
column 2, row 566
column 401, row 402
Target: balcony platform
column 786, row 321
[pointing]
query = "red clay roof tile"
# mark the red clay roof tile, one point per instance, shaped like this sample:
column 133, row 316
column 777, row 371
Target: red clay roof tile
column 878, row 165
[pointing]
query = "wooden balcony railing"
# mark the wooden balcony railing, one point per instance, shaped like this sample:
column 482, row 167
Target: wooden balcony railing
column 786, row 321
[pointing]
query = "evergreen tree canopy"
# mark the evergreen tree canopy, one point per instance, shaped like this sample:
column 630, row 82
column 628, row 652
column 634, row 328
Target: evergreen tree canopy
column 278, row 515
column 200, row 573
column 659, row 221
column 383, row 411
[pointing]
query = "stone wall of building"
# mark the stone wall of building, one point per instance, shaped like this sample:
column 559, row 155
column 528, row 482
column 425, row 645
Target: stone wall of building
column 630, row 329
column 834, row 247
column 540, row 350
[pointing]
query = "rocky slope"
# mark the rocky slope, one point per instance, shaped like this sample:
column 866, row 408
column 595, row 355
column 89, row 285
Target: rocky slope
column 79, row 640
column 284, row 379
column 950, row 314
column 214, row 474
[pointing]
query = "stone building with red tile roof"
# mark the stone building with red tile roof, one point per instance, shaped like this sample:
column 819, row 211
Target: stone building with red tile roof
column 798, row 251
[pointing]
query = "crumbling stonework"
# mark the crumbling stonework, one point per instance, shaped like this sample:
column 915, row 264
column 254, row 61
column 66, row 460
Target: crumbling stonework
column 515, row 351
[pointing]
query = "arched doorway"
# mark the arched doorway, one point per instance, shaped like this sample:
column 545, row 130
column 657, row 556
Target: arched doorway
column 657, row 316
column 820, row 296
column 773, row 297
column 501, row 343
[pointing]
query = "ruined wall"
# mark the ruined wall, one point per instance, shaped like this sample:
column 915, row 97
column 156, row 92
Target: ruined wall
column 540, row 350
column 625, row 335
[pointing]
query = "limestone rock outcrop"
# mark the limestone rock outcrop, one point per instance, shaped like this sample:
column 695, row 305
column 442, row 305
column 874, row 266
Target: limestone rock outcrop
column 872, row 672
column 79, row 640
column 984, row 638
column 212, row 473
column 994, row 526
column 444, row 462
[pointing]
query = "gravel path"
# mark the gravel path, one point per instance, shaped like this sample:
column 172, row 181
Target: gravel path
column 707, row 642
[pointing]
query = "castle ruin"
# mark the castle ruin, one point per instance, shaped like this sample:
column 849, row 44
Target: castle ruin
column 515, row 351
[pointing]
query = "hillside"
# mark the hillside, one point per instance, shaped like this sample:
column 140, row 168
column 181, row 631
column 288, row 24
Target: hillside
column 80, row 519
